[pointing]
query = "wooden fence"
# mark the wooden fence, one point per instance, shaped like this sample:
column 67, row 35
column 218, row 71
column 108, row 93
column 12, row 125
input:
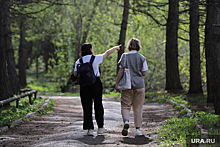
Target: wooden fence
column 24, row 93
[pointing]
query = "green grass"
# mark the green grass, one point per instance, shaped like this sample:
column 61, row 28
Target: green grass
column 210, row 121
column 113, row 94
column 183, row 112
column 44, row 83
column 175, row 129
column 13, row 113
column 181, row 99
column 177, row 108
column 58, row 93
column 43, row 87
column 174, row 132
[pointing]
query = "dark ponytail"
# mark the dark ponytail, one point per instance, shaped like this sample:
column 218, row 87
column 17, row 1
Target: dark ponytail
column 86, row 49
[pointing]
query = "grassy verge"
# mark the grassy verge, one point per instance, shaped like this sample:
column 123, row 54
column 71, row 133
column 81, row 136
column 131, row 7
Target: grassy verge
column 175, row 129
column 11, row 114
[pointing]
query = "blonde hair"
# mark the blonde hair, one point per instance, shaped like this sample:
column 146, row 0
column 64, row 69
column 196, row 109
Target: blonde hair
column 134, row 44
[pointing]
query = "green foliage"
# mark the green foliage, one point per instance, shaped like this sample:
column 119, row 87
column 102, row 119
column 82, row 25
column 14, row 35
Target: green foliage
column 98, row 22
column 175, row 129
column 47, row 109
column 163, row 98
column 60, row 69
column 43, row 84
column 183, row 112
column 44, row 87
column 210, row 121
column 9, row 115
column 112, row 94
column 177, row 108
column 181, row 99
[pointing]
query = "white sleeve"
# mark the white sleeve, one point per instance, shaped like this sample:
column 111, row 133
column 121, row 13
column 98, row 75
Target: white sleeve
column 77, row 62
column 98, row 59
column 145, row 67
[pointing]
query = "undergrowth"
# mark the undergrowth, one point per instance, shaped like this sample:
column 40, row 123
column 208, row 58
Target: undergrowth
column 11, row 114
column 210, row 121
column 176, row 129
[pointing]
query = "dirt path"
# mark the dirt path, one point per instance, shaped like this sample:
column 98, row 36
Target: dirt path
column 63, row 127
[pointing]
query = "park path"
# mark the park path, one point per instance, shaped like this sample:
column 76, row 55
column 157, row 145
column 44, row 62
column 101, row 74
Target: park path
column 63, row 127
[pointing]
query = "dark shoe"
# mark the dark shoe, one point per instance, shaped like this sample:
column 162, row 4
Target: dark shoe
column 125, row 129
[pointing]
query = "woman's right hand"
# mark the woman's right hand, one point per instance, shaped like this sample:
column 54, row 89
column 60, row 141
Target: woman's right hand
column 117, row 47
column 108, row 52
column 116, row 87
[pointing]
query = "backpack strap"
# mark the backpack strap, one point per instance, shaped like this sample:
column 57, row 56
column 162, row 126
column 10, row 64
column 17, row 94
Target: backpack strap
column 92, row 59
column 81, row 60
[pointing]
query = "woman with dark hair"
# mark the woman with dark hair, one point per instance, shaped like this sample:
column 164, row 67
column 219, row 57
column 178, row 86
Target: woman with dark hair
column 93, row 92
column 133, row 97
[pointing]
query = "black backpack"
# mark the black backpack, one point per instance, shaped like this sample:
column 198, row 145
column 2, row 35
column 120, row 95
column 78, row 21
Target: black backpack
column 85, row 72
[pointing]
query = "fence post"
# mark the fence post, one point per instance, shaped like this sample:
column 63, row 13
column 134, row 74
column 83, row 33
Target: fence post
column 30, row 101
column 17, row 103
column 35, row 95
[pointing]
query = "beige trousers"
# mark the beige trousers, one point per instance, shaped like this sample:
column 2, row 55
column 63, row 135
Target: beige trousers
column 135, row 98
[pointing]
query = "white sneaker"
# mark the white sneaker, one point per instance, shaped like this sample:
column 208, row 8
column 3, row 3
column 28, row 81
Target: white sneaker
column 90, row 132
column 138, row 132
column 125, row 129
column 101, row 130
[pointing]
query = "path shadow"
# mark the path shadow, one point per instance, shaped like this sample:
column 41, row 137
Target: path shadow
column 91, row 140
column 138, row 140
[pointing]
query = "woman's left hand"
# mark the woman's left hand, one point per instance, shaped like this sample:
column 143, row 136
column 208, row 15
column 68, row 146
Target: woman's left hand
column 116, row 87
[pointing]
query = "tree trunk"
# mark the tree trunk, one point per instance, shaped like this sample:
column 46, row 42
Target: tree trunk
column 22, row 55
column 47, row 48
column 37, row 73
column 4, row 79
column 14, row 83
column 29, row 46
column 212, row 50
column 216, row 38
column 209, row 46
column 171, row 53
column 123, row 30
column 8, row 79
column 195, row 84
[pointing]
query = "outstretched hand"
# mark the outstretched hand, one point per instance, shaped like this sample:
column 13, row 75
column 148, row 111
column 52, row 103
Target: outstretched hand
column 118, row 47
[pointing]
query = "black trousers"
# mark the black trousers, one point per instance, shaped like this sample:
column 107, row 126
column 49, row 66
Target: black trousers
column 90, row 94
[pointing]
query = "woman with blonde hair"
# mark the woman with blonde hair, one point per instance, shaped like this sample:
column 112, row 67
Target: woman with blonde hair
column 134, row 97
